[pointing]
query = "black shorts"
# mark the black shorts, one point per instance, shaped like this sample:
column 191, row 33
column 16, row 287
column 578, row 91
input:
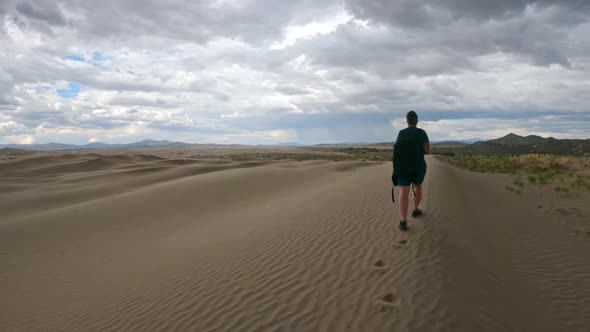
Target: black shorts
column 416, row 180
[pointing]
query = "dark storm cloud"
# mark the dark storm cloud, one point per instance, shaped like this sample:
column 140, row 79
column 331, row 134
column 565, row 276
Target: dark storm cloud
column 421, row 13
column 537, row 29
column 19, row 23
column 291, row 90
column 502, row 8
column 385, row 53
column 50, row 14
column 6, row 86
column 196, row 21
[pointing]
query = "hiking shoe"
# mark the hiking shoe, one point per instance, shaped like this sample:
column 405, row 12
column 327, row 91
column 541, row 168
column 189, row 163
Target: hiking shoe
column 403, row 225
column 416, row 213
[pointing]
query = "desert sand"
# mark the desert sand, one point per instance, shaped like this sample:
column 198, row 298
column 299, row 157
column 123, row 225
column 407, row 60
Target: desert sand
column 137, row 242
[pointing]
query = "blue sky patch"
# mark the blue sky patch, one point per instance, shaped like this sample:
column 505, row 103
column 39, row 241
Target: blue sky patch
column 74, row 57
column 97, row 56
column 70, row 91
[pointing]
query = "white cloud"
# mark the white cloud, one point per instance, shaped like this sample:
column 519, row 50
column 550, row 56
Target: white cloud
column 226, row 71
column 20, row 139
column 234, row 115
column 312, row 29
column 10, row 128
column 259, row 137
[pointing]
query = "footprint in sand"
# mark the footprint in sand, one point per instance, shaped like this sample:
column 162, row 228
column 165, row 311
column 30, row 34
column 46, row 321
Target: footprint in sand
column 401, row 244
column 379, row 266
column 388, row 303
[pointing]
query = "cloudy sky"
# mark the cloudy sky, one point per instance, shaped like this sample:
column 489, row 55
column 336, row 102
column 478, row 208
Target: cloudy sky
column 267, row 71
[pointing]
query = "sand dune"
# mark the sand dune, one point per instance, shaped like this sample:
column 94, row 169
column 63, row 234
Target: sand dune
column 142, row 243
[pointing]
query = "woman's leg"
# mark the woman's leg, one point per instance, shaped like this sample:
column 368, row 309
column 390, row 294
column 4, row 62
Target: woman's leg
column 418, row 196
column 403, row 202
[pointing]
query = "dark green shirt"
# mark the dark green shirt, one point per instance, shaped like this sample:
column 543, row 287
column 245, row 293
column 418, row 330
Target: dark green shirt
column 419, row 135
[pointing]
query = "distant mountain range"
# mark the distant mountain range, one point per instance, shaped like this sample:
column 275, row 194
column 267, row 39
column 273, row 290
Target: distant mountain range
column 148, row 143
column 513, row 139
column 513, row 144
column 509, row 144
column 290, row 144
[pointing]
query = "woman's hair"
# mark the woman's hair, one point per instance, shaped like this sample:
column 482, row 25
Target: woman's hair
column 412, row 118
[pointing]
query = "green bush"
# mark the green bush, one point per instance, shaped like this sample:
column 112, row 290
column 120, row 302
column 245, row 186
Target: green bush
column 532, row 179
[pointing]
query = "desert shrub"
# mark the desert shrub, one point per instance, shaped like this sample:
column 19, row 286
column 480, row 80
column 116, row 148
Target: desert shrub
column 547, row 177
column 533, row 179
column 488, row 164
column 538, row 169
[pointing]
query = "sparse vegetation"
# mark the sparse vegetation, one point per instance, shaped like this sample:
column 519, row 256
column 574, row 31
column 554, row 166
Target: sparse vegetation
column 487, row 164
column 538, row 169
column 532, row 179
column 335, row 154
column 367, row 153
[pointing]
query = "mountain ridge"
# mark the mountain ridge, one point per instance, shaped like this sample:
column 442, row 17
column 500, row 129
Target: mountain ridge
column 513, row 144
column 508, row 144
